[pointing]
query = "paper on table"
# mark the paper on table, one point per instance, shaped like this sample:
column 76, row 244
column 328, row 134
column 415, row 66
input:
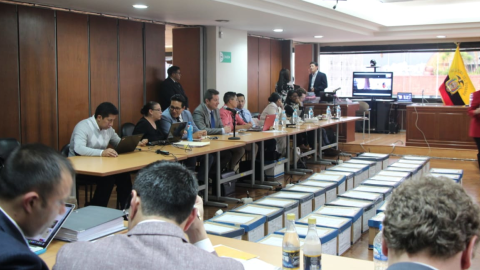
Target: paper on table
column 224, row 251
column 216, row 228
column 258, row 264
column 234, row 219
column 192, row 144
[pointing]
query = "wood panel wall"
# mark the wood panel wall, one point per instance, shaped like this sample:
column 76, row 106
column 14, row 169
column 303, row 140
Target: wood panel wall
column 266, row 57
column 58, row 66
column 304, row 54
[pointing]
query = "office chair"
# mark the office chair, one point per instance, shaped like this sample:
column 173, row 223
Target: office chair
column 7, row 145
column 80, row 180
column 127, row 129
column 364, row 111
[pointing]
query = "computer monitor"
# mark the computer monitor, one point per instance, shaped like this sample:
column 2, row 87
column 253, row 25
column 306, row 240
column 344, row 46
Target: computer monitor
column 372, row 84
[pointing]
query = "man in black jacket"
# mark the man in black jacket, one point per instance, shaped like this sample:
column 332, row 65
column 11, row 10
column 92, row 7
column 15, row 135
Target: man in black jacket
column 170, row 87
column 317, row 81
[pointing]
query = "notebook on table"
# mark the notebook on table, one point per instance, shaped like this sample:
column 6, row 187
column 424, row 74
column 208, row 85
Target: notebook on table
column 39, row 243
column 404, row 97
column 128, row 143
column 267, row 124
column 175, row 134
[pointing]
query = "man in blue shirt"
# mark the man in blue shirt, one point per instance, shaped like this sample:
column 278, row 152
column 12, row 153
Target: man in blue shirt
column 244, row 113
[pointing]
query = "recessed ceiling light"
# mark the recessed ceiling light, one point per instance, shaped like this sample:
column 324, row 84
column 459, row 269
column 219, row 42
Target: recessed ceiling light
column 278, row 30
column 441, row 36
column 318, row 36
column 140, row 6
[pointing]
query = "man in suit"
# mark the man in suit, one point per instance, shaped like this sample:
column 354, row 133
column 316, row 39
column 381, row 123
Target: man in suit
column 430, row 224
column 171, row 86
column 163, row 207
column 34, row 185
column 207, row 117
column 317, row 81
column 176, row 113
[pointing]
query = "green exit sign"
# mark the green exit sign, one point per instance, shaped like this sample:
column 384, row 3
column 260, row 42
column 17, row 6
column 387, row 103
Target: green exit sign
column 225, row 57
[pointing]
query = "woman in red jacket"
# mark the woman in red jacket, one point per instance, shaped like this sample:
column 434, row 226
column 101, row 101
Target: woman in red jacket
column 474, row 112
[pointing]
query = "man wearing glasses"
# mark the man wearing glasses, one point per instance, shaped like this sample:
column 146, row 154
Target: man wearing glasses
column 170, row 87
column 176, row 113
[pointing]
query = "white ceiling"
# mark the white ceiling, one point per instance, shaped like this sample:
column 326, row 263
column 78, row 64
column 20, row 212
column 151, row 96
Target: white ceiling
column 352, row 22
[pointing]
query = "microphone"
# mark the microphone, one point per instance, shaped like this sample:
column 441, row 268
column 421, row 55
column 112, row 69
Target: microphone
column 334, row 91
column 231, row 110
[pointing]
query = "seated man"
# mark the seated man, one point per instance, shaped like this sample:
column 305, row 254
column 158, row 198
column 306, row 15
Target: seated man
column 164, row 206
column 244, row 112
column 207, row 117
column 91, row 137
column 430, row 224
column 177, row 113
column 34, row 185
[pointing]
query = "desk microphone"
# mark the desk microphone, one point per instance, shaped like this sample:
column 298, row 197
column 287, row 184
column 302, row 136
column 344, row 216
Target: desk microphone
column 230, row 110
column 334, row 91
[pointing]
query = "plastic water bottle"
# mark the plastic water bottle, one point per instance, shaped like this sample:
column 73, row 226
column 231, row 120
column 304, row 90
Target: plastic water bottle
column 312, row 248
column 339, row 111
column 380, row 261
column 275, row 124
column 284, row 119
column 291, row 245
column 295, row 117
column 329, row 113
column 310, row 113
column 190, row 132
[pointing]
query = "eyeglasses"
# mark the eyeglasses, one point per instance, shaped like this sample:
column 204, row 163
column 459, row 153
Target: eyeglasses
column 158, row 110
column 175, row 108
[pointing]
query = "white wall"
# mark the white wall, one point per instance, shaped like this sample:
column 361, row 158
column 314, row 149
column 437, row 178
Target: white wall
column 226, row 77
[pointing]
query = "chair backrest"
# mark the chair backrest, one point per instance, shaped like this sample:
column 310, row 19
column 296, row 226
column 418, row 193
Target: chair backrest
column 127, row 129
column 363, row 106
column 7, row 145
column 65, row 150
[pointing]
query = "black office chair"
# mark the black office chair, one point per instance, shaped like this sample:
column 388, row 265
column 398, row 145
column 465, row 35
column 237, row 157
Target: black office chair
column 127, row 129
column 7, row 145
column 80, row 181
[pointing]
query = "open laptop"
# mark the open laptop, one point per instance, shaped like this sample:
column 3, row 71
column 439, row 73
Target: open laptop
column 39, row 243
column 128, row 143
column 267, row 124
column 175, row 134
column 404, row 97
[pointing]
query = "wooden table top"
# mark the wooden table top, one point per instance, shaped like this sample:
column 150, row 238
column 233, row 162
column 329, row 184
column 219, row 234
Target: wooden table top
column 214, row 147
column 252, row 136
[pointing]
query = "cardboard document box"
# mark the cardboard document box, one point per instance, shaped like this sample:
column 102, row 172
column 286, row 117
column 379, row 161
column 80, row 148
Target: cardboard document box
column 382, row 207
column 390, row 176
column 449, row 171
column 359, row 174
column 455, row 177
column 252, row 224
column 358, row 166
column 427, row 159
column 330, row 188
column 375, row 198
column 224, row 230
column 380, row 183
column 372, row 170
column 319, row 194
column 274, row 215
column 289, row 206
column 417, row 173
column 381, row 159
column 353, row 213
column 339, row 179
column 367, row 206
column 348, row 175
column 385, row 191
column 328, row 237
column 304, row 200
column 422, row 163
column 277, row 240
column 410, row 171
column 343, row 225
column 374, row 224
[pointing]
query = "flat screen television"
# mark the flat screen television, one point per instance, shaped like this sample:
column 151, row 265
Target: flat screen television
column 372, row 84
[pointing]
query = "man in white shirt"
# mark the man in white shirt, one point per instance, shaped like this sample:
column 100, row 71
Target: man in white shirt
column 430, row 223
column 164, row 206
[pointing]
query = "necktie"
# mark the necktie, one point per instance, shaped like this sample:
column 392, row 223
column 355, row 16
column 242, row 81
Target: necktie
column 178, row 119
column 212, row 120
column 243, row 116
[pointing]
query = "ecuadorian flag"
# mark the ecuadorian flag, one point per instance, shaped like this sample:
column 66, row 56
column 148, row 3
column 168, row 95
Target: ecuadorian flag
column 457, row 87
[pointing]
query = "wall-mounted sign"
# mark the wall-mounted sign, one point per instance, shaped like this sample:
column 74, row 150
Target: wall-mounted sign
column 225, row 57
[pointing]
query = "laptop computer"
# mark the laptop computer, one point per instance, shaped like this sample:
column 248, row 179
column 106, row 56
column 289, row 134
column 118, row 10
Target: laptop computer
column 39, row 243
column 267, row 124
column 404, row 97
column 128, row 143
column 174, row 134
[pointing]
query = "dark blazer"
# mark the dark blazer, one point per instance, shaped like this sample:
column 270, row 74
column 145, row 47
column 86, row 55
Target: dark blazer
column 167, row 90
column 408, row 266
column 150, row 245
column 14, row 252
column 166, row 122
column 202, row 120
column 475, row 121
column 320, row 83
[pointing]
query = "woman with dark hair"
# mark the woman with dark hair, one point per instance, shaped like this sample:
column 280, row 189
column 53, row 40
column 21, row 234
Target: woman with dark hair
column 292, row 103
column 274, row 107
column 282, row 86
column 148, row 125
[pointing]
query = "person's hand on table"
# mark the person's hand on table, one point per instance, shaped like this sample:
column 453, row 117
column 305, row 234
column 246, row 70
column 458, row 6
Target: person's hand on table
column 109, row 152
column 143, row 142
column 227, row 129
column 197, row 232
column 199, row 134
column 247, row 126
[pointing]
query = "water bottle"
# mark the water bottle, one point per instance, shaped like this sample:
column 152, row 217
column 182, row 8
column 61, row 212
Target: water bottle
column 329, row 113
column 339, row 111
column 312, row 248
column 190, row 132
column 291, row 245
column 275, row 124
column 284, row 119
column 310, row 113
column 295, row 117
column 380, row 261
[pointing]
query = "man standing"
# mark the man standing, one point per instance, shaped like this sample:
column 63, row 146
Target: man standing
column 430, row 224
column 34, row 185
column 317, row 81
column 171, row 86
column 91, row 137
column 207, row 117
column 164, row 207
column 242, row 111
